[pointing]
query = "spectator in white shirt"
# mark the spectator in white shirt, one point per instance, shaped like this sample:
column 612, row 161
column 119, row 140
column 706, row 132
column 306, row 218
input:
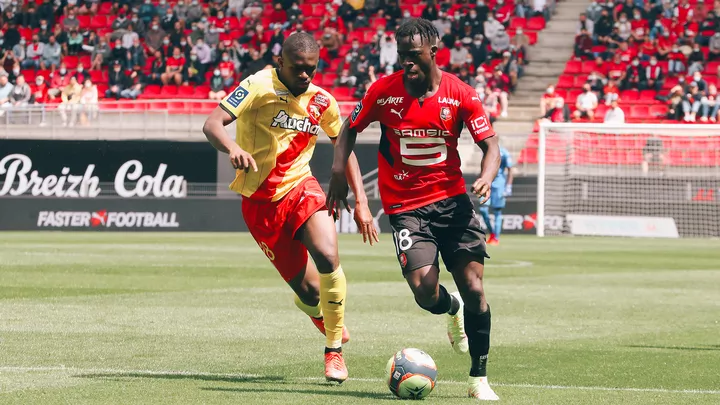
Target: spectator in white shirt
column 492, row 26
column 614, row 115
column 586, row 104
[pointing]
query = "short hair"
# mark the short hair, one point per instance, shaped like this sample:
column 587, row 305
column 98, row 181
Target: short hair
column 418, row 26
column 300, row 42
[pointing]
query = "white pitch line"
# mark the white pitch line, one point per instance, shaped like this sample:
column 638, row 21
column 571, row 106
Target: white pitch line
column 151, row 373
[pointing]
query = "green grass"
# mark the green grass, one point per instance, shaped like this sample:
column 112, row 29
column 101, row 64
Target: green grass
column 89, row 318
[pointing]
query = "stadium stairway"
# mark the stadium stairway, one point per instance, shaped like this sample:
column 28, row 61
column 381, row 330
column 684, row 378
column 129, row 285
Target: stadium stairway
column 547, row 62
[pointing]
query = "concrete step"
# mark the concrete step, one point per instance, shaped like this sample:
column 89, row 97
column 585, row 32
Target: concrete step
column 523, row 113
column 512, row 126
column 532, row 86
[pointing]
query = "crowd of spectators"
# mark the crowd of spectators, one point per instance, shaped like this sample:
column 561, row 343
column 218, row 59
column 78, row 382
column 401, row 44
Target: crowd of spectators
column 664, row 46
column 120, row 48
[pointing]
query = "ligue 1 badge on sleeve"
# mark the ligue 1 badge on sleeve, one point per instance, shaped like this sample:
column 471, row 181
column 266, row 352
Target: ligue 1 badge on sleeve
column 445, row 113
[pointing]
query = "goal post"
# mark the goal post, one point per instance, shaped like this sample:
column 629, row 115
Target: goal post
column 636, row 180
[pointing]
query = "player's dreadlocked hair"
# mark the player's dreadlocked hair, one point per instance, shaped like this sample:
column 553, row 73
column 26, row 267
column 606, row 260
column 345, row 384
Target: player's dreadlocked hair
column 418, row 26
column 300, row 42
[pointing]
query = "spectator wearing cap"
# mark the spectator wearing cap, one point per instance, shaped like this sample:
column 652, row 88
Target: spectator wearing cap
column 117, row 81
column 500, row 43
column 458, row 56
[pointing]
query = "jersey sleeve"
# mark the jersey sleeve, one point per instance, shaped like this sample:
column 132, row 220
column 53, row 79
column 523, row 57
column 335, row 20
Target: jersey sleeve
column 473, row 115
column 330, row 122
column 241, row 99
column 365, row 112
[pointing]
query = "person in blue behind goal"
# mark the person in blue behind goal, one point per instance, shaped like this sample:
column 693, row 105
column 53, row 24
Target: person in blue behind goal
column 500, row 189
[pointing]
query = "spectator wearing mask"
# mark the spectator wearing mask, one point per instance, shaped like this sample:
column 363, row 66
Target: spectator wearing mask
column 70, row 22
column 479, row 50
column 19, row 50
column 203, row 52
column 594, row 11
column 89, row 101
column 33, row 53
column 702, row 84
column 596, row 82
column 227, row 70
column 331, row 42
column 136, row 54
column 500, row 43
column 129, row 37
column 624, row 27
column 458, row 56
column 174, row 67
column 194, row 70
column 520, row 41
column 491, row 103
column 547, row 101
column 442, row 58
column 346, row 79
column 615, row 114
column 100, row 54
column 640, row 26
column 491, row 27
column 147, row 11
column 500, row 84
column 676, row 61
column 654, row 75
column 119, row 25
column 39, row 91
column 586, row 104
column 465, row 77
column 473, row 20
column 80, row 73
column 388, row 51
column 634, row 76
column 14, row 72
column 154, row 37
column 117, row 81
column 217, row 86
column 157, row 69
column 138, row 26
column 558, row 113
column 510, row 68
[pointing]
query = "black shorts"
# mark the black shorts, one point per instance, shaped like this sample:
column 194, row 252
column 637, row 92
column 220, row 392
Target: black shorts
column 449, row 226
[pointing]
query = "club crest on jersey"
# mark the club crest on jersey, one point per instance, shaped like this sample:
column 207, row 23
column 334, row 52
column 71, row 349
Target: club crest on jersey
column 448, row 100
column 314, row 111
column 403, row 259
column 237, row 96
column 321, row 100
column 356, row 111
column 283, row 120
column 445, row 113
column 390, row 100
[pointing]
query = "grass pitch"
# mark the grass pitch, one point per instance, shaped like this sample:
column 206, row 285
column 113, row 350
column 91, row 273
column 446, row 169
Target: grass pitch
column 90, row 318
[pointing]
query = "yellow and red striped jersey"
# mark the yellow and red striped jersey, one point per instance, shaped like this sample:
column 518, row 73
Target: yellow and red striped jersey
column 279, row 130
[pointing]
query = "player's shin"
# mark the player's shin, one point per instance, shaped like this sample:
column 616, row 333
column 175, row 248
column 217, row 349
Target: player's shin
column 498, row 223
column 477, row 329
column 333, row 289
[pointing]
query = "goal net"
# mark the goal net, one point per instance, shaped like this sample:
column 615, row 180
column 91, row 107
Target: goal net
column 637, row 180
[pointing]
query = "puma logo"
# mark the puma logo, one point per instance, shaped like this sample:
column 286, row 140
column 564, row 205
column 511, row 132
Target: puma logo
column 399, row 113
column 336, row 302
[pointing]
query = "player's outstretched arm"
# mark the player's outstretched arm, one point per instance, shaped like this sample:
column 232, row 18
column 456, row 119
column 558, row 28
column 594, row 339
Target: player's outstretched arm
column 214, row 130
column 488, row 167
column 344, row 144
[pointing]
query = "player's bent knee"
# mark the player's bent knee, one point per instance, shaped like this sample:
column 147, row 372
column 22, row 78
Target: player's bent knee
column 326, row 261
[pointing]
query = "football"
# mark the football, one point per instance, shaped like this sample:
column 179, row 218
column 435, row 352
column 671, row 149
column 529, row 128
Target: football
column 411, row 374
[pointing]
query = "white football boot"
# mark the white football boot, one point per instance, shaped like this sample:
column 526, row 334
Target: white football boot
column 456, row 328
column 479, row 388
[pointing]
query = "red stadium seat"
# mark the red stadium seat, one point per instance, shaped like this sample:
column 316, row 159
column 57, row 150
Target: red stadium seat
column 588, row 66
column 528, row 156
column 378, row 22
column 573, row 67
column 658, row 110
column 168, row 91
column 343, row 93
column 517, row 22
column 536, row 23
column 312, row 24
column 639, row 111
column 565, row 82
column 346, row 109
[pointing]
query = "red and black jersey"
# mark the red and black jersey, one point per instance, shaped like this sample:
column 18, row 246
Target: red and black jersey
column 418, row 157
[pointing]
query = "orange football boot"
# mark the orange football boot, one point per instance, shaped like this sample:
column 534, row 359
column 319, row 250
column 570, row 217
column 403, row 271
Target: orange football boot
column 320, row 324
column 335, row 369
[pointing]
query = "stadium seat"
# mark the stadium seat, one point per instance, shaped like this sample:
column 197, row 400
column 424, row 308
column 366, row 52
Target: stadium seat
column 528, row 156
column 536, row 23
column 517, row 22
column 573, row 67
column 640, row 111
column 168, row 92
column 312, row 24
column 343, row 93
column 328, row 79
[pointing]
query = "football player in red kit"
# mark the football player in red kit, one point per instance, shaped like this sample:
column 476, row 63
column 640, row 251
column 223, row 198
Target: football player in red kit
column 422, row 111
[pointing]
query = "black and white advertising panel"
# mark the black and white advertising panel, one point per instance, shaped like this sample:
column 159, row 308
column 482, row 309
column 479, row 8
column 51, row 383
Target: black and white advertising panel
column 89, row 169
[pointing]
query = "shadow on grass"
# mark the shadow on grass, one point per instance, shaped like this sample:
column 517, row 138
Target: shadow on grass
column 319, row 391
column 185, row 376
column 709, row 347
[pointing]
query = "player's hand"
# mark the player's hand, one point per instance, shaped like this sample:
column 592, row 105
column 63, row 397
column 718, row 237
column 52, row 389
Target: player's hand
column 242, row 160
column 337, row 192
column 508, row 190
column 481, row 188
column 366, row 223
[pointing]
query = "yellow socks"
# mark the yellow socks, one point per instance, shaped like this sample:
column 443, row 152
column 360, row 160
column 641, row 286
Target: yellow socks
column 314, row 312
column 333, row 289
